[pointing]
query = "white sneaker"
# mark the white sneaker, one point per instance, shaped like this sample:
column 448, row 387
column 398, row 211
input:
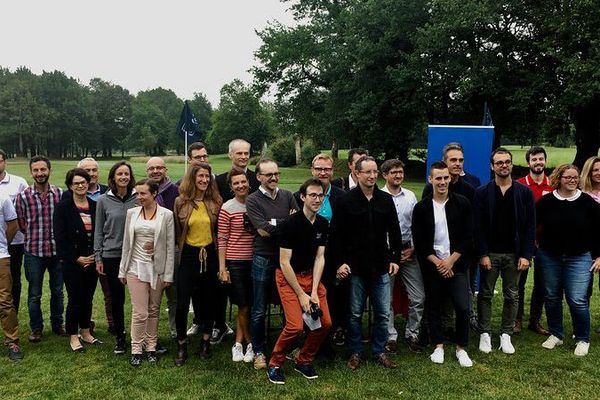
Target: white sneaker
column 463, row 359
column 237, row 352
column 485, row 343
column 552, row 342
column 249, row 356
column 194, row 329
column 582, row 348
column 438, row 355
column 505, row 344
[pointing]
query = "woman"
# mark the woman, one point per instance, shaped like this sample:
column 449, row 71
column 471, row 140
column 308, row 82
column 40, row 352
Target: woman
column 74, row 231
column 196, row 211
column 111, row 211
column 235, row 259
column 590, row 178
column 567, row 219
column 147, row 266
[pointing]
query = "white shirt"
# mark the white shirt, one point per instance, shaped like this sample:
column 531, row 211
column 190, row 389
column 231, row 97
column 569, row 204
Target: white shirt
column 142, row 261
column 404, row 202
column 11, row 186
column 441, row 239
column 7, row 213
column 267, row 193
column 351, row 182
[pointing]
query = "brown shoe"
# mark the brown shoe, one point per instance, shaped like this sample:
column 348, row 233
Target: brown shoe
column 518, row 327
column 59, row 330
column 391, row 346
column 204, row 352
column 537, row 328
column 413, row 344
column 36, row 336
column 354, row 361
column 385, row 361
column 182, row 354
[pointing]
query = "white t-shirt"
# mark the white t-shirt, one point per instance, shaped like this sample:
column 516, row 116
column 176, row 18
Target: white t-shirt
column 7, row 213
column 142, row 263
column 441, row 239
column 11, row 186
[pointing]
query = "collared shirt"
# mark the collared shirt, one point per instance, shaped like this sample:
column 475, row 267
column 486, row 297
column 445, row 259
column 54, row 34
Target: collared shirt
column 11, row 186
column 303, row 238
column 538, row 189
column 7, row 214
column 325, row 210
column 404, row 202
column 267, row 193
column 94, row 195
column 351, row 182
column 35, row 213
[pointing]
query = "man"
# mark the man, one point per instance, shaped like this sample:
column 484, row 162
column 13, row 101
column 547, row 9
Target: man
column 539, row 184
column 8, row 314
column 95, row 189
column 35, row 213
column 350, row 181
column 442, row 228
column 410, row 273
column 367, row 245
column 196, row 152
column 12, row 185
column 302, row 260
column 505, row 240
column 167, row 193
column 267, row 208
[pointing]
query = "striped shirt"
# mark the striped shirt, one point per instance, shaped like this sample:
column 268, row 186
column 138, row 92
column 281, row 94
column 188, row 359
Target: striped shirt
column 231, row 233
column 35, row 213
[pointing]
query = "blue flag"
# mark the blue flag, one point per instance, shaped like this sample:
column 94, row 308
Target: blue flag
column 487, row 116
column 188, row 125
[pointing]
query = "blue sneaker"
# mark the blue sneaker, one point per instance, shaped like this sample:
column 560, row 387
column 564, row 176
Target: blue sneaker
column 307, row 370
column 276, row 375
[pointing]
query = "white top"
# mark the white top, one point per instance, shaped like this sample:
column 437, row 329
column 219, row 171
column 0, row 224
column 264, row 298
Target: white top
column 351, row 182
column 572, row 198
column 7, row 213
column 11, row 186
column 142, row 259
column 404, row 202
column 441, row 239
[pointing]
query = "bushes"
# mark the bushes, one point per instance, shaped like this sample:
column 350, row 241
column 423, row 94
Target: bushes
column 283, row 151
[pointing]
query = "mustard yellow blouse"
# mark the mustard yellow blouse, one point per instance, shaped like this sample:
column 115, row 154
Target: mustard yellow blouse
column 199, row 233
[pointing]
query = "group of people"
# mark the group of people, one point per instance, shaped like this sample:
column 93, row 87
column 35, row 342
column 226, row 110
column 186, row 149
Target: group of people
column 326, row 249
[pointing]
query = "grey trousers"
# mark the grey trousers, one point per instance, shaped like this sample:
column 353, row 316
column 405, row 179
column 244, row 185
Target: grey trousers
column 410, row 273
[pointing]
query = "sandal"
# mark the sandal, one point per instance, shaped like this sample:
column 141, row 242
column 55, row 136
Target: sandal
column 95, row 342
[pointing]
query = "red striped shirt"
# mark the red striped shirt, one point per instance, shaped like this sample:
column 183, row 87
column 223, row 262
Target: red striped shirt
column 231, row 233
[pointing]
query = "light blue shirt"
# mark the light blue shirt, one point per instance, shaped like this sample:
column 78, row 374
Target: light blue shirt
column 325, row 210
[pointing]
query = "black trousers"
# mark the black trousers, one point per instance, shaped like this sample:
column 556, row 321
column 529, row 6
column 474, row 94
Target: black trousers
column 80, row 284
column 537, row 295
column 338, row 299
column 16, row 252
column 201, row 285
column 439, row 291
column 117, row 293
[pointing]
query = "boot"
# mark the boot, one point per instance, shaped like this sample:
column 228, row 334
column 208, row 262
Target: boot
column 204, row 349
column 181, row 354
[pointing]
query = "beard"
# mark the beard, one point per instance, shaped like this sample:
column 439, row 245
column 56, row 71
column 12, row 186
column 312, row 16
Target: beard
column 42, row 180
column 536, row 170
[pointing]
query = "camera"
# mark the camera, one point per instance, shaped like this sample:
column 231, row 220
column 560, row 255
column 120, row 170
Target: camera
column 315, row 311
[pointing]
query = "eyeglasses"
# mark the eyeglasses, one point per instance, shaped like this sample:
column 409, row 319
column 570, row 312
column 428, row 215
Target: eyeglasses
column 200, row 157
column 159, row 168
column 570, row 178
column 395, row 173
column 271, row 175
column 502, row 163
column 374, row 172
column 322, row 169
column 316, row 195
column 82, row 183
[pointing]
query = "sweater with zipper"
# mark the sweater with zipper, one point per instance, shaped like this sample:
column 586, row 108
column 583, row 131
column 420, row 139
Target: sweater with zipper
column 111, row 211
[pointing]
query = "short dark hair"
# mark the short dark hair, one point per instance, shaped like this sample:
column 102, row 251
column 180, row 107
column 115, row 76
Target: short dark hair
column 311, row 182
column 35, row 159
column 437, row 165
column 151, row 183
column 113, row 171
column 535, row 150
column 195, row 146
column 360, row 161
column 72, row 173
column 452, row 146
column 3, row 154
column 500, row 150
column 388, row 165
column 263, row 161
column 234, row 172
column 356, row 150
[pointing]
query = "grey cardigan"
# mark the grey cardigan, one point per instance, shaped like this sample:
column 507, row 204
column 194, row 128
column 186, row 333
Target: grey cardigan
column 164, row 244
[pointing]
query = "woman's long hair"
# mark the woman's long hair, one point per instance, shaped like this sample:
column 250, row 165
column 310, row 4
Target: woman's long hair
column 188, row 190
column 585, row 182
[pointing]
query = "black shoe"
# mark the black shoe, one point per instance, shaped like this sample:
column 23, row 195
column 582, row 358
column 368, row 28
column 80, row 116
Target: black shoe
column 219, row 332
column 182, row 354
column 307, row 370
column 136, row 360
column 111, row 330
column 160, row 349
column 14, row 352
column 92, row 327
column 204, row 352
column 339, row 338
column 152, row 357
column 120, row 345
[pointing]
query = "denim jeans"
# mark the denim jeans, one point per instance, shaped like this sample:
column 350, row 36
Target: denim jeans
column 34, row 272
column 571, row 275
column 378, row 288
column 263, row 278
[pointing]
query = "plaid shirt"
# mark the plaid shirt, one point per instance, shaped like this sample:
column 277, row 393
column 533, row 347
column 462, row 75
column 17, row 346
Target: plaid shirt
column 35, row 213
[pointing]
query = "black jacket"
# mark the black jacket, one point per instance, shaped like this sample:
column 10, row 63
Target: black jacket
column 69, row 232
column 484, row 205
column 361, row 229
column 225, row 190
column 461, row 186
column 459, row 217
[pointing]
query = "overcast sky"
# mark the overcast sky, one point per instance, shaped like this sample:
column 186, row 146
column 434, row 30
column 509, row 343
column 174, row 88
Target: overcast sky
column 183, row 45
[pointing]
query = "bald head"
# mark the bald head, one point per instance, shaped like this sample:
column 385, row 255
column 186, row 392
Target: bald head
column 156, row 169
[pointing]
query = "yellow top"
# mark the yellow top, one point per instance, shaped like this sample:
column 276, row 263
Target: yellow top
column 199, row 233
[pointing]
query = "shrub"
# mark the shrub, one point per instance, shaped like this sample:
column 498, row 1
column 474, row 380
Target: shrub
column 282, row 150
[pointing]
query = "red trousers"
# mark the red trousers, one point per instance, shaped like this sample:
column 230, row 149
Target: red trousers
column 294, row 325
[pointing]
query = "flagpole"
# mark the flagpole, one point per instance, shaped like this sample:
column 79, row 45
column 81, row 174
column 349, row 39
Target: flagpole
column 185, row 154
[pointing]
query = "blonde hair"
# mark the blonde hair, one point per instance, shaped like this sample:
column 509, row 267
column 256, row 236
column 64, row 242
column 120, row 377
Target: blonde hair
column 585, row 182
column 321, row 156
column 559, row 172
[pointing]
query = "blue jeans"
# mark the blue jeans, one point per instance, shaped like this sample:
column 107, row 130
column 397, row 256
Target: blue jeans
column 263, row 278
column 378, row 288
column 34, row 272
column 571, row 275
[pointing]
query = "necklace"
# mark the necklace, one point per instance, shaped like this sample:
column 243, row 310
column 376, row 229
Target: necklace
column 144, row 213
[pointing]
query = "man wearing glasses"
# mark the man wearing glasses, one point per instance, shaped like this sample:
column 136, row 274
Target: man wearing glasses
column 504, row 212
column 267, row 208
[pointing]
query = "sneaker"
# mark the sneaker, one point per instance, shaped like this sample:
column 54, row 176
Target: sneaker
column 249, row 356
column 582, row 348
column 552, row 342
column 292, row 355
column 438, row 355
column 505, row 344
column 218, row 334
column 463, row 359
column 339, row 338
column 485, row 343
column 276, row 375
column 36, row 336
column 14, row 352
column 160, row 349
column 307, row 371
column 237, row 352
column 152, row 357
column 391, row 346
column 120, row 345
column 194, row 329
column 260, row 361
column 136, row 360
